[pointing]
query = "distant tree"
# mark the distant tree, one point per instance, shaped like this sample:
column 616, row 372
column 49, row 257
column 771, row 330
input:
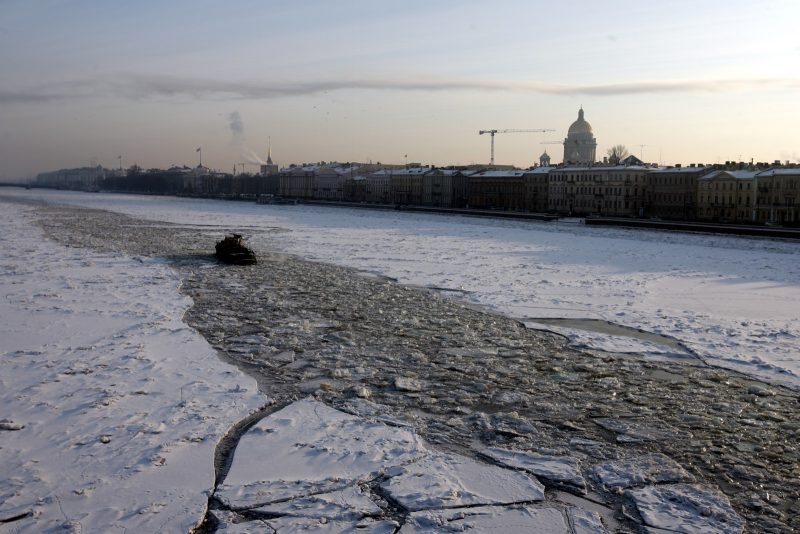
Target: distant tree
column 617, row 153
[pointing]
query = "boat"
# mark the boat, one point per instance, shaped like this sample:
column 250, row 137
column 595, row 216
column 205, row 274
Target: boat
column 233, row 250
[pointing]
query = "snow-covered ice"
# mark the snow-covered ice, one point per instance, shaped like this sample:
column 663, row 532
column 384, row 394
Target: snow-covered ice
column 309, row 463
column 308, row 448
column 560, row 470
column 636, row 430
column 640, row 470
column 443, row 480
column 686, row 508
column 297, row 525
column 485, row 519
column 350, row 503
column 316, row 456
column 585, row 521
column 731, row 300
column 114, row 406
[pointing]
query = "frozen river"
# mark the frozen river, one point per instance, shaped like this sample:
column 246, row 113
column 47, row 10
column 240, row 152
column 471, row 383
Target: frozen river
column 729, row 300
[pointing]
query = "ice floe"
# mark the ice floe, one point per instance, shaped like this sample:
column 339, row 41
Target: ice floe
column 316, row 465
column 559, row 470
column 350, row 503
column 640, row 470
column 686, row 508
column 585, row 521
column 307, row 448
column 448, row 480
column 486, row 519
column 636, row 431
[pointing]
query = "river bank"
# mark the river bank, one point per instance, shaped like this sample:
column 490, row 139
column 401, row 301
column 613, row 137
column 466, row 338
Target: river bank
column 467, row 379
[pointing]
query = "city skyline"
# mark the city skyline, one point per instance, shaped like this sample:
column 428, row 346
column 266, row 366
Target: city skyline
column 675, row 83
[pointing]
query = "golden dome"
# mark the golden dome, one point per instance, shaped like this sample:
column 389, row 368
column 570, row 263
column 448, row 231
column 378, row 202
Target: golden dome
column 580, row 126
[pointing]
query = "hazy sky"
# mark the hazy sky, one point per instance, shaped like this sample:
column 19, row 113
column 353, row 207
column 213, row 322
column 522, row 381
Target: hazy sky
column 694, row 81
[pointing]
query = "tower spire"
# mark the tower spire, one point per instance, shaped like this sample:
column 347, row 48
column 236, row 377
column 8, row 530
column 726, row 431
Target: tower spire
column 269, row 150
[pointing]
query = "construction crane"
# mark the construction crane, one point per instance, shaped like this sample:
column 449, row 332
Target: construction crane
column 492, row 132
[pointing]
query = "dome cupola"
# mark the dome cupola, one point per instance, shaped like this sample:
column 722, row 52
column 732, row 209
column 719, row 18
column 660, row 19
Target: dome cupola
column 580, row 126
column 580, row 145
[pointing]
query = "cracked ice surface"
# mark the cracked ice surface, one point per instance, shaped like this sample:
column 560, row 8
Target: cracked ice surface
column 341, row 511
column 634, row 431
column 113, row 405
column 308, row 458
column 686, row 508
column 348, row 503
column 558, row 469
column 291, row 525
column 640, row 470
column 585, row 521
column 517, row 520
column 449, row 480
column 308, row 447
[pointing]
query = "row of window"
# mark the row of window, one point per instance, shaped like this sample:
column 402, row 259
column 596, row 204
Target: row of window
column 594, row 178
column 672, row 197
column 729, row 199
column 726, row 186
column 669, row 180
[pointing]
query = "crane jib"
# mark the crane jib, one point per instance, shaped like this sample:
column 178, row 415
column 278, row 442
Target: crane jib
column 495, row 131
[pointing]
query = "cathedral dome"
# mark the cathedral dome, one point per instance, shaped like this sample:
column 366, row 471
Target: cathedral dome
column 580, row 126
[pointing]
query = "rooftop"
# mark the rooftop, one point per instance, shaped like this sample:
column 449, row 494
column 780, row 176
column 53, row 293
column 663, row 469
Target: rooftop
column 738, row 175
column 676, row 170
column 792, row 171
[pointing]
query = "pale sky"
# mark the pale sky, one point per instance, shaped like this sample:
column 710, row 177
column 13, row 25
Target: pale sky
column 352, row 80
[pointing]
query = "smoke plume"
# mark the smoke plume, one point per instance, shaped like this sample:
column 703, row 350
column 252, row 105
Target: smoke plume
column 237, row 128
column 251, row 157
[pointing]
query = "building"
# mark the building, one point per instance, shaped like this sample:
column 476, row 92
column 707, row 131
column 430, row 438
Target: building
column 726, row 196
column 204, row 182
column 353, row 180
column 610, row 190
column 406, row 185
column 258, row 184
column 437, row 188
column 580, row 145
column 777, row 195
column 497, row 189
column 460, row 181
column 544, row 159
column 378, row 187
column 328, row 183
column 80, row 179
column 269, row 168
column 536, row 186
column 674, row 191
column 355, row 189
column 298, row 181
